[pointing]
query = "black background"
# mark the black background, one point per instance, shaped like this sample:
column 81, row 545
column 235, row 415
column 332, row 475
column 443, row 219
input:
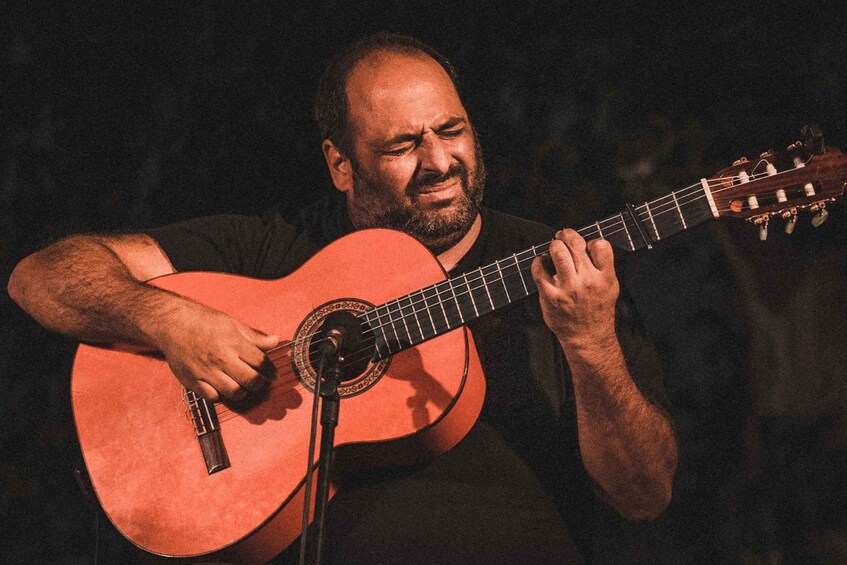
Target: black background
column 116, row 118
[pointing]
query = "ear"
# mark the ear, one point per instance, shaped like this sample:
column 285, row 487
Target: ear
column 339, row 166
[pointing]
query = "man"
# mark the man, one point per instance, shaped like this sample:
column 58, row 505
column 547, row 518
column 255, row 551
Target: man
column 563, row 416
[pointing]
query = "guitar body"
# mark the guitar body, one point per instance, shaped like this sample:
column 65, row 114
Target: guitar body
column 142, row 451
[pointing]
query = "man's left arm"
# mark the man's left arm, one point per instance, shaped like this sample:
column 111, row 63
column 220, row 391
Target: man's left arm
column 627, row 444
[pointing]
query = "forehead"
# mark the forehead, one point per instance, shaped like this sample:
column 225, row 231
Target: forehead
column 393, row 93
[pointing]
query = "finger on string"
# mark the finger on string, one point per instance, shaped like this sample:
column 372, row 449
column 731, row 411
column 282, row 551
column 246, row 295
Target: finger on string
column 542, row 277
column 258, row 360
column 563, row 260
column 262, row 340
column 602, row 255
column 577, row 247
column 247, row 376
column 227, row 387
column 250, row 353
column 205, row 390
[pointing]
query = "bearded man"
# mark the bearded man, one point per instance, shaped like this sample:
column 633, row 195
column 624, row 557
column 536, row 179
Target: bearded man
column 575, row 418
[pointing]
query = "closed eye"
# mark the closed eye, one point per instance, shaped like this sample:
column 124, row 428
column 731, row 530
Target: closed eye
column 451, row 133
column 398, row 150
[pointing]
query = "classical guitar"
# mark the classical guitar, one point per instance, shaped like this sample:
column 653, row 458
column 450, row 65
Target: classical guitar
column 182, row 477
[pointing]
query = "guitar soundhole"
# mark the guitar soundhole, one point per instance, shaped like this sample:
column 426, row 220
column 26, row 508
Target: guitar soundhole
column 359, row 372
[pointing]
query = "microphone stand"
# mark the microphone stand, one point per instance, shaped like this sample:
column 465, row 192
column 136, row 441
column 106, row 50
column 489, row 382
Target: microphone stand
column 341, row 332
column 330, row 403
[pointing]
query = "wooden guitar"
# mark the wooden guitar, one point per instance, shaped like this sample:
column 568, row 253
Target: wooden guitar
column 182, row 477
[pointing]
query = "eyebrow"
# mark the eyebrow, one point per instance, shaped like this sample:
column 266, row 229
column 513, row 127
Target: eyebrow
column 404, row 137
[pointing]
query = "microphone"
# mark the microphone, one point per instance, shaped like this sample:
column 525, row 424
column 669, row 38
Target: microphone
column 340, row 333
column 334, row 340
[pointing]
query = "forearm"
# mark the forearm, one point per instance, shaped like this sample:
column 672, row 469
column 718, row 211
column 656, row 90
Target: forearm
column 79, row 287
column 627, row 444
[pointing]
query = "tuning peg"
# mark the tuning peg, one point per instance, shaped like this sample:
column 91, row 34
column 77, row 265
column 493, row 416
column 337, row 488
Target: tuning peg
column 763, row 228
column 819, row 217
column 792, row 221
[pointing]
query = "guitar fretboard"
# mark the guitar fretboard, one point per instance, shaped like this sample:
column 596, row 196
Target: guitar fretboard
column 414, row 318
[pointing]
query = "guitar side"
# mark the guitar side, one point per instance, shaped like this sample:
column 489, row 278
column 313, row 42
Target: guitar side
column 142, row 451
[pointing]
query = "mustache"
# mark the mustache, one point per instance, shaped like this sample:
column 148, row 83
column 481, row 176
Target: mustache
column 430, row 179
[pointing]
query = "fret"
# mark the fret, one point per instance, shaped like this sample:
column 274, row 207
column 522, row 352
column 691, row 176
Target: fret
column 626, row 231
column 485, row 285
column 479, row 290
column 373, row 318
column 668, row 216
column 696, row 206
column 470, row 293
column 422, row 316
column 652, row 221
column 502, row 276
column 520, row 273
column 393, row 323
column 637, row 234
column 425, row 301
column 513, row 283
column 377, row 343
column 425, row 324
column 438, row 299
column 455, row 301
column 493, row 279
column 679, row 210
column 409, row 316
column 617, row 232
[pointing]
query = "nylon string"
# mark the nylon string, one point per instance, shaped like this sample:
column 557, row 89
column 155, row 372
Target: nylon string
column 606, row 227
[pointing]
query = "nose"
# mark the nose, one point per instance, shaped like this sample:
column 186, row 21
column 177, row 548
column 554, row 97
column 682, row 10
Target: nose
column 434, row 155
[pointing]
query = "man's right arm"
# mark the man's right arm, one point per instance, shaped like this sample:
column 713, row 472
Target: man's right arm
column 92, row 288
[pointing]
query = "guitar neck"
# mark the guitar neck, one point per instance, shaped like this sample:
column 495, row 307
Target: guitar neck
column 427, row 313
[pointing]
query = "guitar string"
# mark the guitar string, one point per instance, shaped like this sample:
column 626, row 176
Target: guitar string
column 617, row 223
column 280, row 386
column 517, row 267
column 296, row 388
column 354, row 357
column 612, row 223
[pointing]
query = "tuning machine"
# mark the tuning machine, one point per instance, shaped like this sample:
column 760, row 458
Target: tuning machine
column 820, row 213
column 762, row 222
column 791, row 216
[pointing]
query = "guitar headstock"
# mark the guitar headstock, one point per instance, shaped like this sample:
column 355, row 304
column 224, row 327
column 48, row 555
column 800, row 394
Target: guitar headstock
column 780, row 184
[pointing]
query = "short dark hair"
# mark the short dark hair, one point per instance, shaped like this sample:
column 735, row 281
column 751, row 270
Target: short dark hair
column 331, row 104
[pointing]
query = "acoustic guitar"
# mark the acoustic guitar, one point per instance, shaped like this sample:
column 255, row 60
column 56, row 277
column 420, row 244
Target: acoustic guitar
column 182, row 477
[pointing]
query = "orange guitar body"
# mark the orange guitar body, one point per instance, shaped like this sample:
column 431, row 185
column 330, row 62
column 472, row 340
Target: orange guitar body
column 142, row 451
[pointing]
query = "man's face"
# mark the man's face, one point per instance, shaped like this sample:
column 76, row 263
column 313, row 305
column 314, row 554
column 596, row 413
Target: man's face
column 416, row 164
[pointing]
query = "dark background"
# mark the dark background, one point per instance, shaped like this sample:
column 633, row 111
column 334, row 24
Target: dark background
column 120, row 118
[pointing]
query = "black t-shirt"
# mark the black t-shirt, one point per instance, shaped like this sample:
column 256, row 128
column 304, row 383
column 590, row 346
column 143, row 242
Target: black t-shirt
column 514, row 489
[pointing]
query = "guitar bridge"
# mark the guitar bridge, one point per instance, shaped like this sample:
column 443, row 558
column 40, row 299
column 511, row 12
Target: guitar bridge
column 205, row 420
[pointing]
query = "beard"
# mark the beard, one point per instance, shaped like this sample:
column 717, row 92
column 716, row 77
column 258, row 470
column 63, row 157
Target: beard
column 440, row 226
